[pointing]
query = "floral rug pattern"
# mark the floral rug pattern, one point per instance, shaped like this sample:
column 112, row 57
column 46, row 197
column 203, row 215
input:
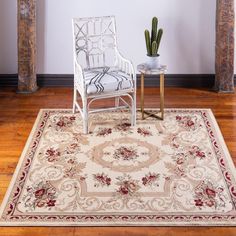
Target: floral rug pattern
column 172, row 172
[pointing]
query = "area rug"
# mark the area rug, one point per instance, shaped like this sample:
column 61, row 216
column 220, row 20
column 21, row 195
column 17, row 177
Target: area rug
column 175, row 172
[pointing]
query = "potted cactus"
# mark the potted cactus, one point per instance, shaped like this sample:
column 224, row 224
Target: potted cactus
column 153, row 44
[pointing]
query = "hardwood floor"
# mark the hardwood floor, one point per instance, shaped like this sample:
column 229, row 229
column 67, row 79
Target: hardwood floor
column 17, row 116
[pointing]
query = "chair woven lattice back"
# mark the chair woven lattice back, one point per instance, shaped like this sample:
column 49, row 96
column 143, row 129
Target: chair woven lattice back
column 95, row 41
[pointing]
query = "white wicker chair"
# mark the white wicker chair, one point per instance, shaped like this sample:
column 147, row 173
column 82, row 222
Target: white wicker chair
column 99, row 69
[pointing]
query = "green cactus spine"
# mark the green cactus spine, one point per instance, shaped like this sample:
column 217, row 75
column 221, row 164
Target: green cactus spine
column 153, row 43
column 148, row 42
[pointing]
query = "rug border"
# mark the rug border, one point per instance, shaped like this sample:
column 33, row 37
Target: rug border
column 224, row 146
column 15, row 174
column 112, row 223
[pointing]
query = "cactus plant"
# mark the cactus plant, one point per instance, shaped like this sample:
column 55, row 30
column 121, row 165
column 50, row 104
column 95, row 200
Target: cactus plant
column 153, row 43
column 159, row 36
column 154, row 29
column 148, row 42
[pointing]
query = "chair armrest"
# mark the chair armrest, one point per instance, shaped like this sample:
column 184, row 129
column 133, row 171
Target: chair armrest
column 125, row 65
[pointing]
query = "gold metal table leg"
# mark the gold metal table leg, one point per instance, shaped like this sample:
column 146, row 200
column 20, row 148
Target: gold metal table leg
column 162, row 95
column 142, row 95
column 161, row 98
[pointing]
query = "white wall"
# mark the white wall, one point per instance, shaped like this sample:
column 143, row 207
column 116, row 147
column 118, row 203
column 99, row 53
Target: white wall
column 8, row 37
column 187, row 46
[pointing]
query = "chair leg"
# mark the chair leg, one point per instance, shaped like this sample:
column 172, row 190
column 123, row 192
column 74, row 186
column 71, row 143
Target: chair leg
column 74, row 100
column 134, row 109
column 85, row 116
column 117, row 101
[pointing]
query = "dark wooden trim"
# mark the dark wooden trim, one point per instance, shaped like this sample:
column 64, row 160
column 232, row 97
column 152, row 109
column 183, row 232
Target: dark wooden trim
column 8, row 80
column 181, row 80
column 171, row 80
column 61, row 80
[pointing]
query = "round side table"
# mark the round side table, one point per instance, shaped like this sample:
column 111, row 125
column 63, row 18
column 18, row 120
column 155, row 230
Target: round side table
column 145, row 70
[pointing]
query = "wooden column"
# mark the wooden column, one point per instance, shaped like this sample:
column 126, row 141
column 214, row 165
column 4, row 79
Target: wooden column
column 224, row 79
column 27, row 82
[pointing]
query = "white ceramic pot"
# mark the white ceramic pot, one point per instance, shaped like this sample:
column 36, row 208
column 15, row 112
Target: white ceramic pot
column 153, row 62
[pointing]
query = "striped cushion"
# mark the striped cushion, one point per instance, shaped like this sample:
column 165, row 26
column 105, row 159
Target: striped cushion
column 106, row 79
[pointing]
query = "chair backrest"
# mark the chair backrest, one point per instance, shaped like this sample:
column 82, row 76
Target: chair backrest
column 95, row 41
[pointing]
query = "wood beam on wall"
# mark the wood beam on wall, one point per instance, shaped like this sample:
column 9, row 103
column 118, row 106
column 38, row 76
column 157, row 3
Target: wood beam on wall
column 27, row 82
column 224, row 52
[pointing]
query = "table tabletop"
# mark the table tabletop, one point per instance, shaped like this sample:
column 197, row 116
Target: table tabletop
column 145, row 69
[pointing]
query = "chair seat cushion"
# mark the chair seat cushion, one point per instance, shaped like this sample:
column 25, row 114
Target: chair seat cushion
column 106, row 79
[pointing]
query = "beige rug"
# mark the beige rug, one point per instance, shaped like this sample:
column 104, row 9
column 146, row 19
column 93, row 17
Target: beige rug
column 172, row 172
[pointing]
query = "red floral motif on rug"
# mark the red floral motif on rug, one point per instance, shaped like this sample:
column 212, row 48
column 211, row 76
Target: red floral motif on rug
column 172, row 172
